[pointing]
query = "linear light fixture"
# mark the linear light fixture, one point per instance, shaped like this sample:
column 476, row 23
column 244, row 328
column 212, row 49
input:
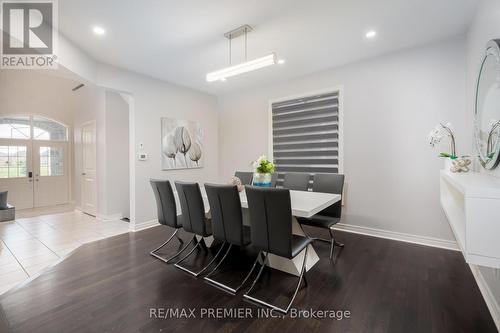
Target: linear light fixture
column 244, row 67
column 247, row 66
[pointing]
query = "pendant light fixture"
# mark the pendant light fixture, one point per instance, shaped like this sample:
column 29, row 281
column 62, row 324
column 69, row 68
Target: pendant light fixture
column 247, row 66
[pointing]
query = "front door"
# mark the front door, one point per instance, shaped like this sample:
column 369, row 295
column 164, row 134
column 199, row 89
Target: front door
column 50, row 168
column 15, row 172
column 34, row 161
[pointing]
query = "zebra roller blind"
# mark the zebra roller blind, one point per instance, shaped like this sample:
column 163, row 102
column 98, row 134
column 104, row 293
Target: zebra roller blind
column 306, row 135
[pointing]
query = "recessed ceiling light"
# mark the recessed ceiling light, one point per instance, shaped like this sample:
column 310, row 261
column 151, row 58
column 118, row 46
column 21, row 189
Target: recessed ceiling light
column 281, row 61
column 98, row 30
column 371, row 34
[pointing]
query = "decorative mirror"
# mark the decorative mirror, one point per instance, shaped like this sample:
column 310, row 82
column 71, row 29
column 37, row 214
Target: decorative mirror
column 487, row 107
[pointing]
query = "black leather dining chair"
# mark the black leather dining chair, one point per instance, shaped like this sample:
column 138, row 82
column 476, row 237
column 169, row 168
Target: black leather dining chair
column 328, row 217
column 194, row 220
column 167, row 214
column 245, row 177
column 274, row 178
column 227, row 226
column 297, row 181
column 271, row 232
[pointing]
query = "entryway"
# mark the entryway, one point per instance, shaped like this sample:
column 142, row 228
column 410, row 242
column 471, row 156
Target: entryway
column 34, row 161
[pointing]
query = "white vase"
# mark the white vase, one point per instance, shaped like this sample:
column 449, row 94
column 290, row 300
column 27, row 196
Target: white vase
column 262, row 179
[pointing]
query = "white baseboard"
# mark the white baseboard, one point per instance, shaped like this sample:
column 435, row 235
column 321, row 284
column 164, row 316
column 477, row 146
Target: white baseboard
column 398, row 236
column 134, row 227
column 110, row 217
column 488, row 296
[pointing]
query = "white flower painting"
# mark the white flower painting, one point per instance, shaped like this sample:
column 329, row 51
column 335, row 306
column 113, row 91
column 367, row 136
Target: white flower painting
column 181, row 144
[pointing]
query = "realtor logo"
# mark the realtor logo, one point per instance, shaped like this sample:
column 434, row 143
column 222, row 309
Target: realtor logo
column 29, row 34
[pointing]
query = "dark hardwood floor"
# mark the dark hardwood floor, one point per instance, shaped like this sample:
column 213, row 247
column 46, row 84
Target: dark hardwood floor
column 387, row 286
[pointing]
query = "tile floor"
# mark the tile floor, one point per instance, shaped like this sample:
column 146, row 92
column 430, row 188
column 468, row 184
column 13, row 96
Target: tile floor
column 33, row 242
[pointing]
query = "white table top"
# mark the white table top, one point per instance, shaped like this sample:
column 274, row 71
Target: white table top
column 304, row 203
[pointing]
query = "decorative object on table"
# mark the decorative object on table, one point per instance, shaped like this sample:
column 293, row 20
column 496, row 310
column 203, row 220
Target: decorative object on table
column 461, row 165
column 182, row 144
column 236, row 181
column 487, row 108
column 437, row 135
column 263, row 172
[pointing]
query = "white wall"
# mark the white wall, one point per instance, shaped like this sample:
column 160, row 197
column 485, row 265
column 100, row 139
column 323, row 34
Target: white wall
column 485, row 26
column 152, row 100
column 117, row 155
column 390, row 105
column 31, row 92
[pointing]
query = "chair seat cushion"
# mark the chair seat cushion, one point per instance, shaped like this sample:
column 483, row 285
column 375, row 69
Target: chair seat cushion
column 320, row 221
column 299, row 243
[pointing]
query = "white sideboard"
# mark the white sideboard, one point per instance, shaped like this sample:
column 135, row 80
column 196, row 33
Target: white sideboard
column 471, row 202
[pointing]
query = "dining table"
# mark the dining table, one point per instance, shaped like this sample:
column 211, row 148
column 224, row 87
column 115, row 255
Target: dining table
column 303, row 204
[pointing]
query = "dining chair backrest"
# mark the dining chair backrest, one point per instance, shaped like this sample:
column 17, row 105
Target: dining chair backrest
column 165, row 203
column 225, row 209
column 245, row 177
column 297, row 181
column 330, row 183
column 193, row 209
column 274, row 178
column 270, row 219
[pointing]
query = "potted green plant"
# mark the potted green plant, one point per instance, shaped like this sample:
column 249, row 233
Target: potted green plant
column 263, row 171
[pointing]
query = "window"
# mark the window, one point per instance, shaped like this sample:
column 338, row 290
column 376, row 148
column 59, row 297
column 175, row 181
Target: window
column 306, row 135
column 46, row 129
column 43, row 128
column 13, row 161
column 15, row 128
column 51, row 161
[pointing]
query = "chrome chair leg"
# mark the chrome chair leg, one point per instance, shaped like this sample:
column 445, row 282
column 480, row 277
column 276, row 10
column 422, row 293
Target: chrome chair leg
column 220, row 262
column 211, row 261
column 196, row 274
column 258, row 275
column 154, row 252
column 331, row 241
column 332, row 246
column 224, row 287
column 181, row 250
column 180, row 239
column 273, row 307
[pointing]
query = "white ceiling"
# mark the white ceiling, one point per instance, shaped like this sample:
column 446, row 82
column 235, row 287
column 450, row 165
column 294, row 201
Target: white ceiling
column 180, row 41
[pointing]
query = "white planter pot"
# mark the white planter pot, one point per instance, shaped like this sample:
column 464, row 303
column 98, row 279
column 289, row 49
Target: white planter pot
column 262, row 179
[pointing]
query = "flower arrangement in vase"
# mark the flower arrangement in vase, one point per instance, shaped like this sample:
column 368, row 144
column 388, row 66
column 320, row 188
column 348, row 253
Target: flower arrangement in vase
column 452, row 162
column 263, row 171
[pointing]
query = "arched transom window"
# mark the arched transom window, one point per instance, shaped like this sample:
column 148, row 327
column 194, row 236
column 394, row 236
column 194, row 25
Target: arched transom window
column 32, row 127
